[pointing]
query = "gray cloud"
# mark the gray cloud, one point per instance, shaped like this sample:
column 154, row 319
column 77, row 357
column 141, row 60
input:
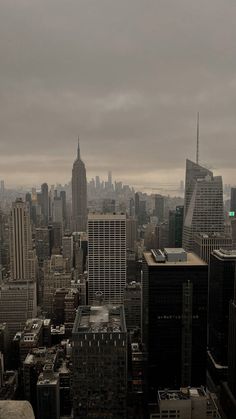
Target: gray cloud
column 128, row 76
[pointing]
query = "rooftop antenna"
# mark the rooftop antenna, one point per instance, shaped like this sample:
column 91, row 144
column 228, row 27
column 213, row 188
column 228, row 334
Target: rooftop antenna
column 78, row 150
column 197, row 151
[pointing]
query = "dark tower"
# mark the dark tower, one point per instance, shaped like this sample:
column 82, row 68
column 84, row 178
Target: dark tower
column 45, row 202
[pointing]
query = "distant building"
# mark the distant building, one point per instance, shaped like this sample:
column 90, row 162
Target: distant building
column 67, row 248
column 108, row 206
column 42, row 243
column 204, row 244
column 159, row 207
column 79, row 194
column 22, row 256
column 99, row 361
column 131, row 233
column 174, row 317
column 57, row 210
column 233, row 200
column 176, row 218
column 162, row 235
column 136, row 205
column 56, row 273
column 45, row 203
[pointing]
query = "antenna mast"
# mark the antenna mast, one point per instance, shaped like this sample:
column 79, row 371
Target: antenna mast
column 197, row 152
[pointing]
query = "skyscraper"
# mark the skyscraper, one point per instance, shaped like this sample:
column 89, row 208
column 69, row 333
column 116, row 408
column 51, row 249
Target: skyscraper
column 233, row 200
column 22, row 255
column 204, row 209
column 45, row 202
column 174, row 317
column 99, row 359
column 159, row 207
column 79, row 194
column 176, row 226
column 106, row 257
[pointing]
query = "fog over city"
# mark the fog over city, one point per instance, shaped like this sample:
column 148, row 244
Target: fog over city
column 127, row 76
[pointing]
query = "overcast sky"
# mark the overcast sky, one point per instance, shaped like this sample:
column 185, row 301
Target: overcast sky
column 128, row 76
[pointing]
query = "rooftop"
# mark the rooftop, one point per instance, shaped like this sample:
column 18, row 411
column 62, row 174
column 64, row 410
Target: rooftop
column 182, row 394
column 32, row 329
column 213, row 235
column 225, row 254
column 41, row 355
column 192, row 260
column 106, row 217
column 98, row 319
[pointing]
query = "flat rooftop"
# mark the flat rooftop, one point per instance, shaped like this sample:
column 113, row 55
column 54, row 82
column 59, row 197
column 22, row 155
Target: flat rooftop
column 106, row 217
column 192, row 260
column 182, row 394
column 100, row 319
column 213, row 236
column 41, row 355
column 225, row 254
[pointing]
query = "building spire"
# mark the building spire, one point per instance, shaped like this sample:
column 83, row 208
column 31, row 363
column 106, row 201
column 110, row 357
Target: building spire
column 197, row 151
column 78, row 150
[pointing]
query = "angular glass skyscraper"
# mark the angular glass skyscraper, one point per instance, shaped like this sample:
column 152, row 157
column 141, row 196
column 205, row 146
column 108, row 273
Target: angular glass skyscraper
column 203, row 206
column 79, row 194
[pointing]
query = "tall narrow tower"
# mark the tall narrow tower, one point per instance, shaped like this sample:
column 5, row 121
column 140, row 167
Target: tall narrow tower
column 22, row 255
column 79, row 194
column 45, row 202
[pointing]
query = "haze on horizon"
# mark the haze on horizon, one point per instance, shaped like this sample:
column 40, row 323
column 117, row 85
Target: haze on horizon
column 128, row 77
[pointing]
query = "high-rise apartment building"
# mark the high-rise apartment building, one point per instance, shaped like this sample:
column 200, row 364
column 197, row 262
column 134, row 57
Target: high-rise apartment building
column 174, row 317
column 204, row 209
column 106, row 257
column 22, row 255
column 99, row 359
column 79, row 194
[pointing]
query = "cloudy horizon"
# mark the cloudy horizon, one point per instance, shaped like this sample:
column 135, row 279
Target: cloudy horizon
column 128, row 77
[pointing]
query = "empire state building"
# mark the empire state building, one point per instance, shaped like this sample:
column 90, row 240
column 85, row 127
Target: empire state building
column 79, row 194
